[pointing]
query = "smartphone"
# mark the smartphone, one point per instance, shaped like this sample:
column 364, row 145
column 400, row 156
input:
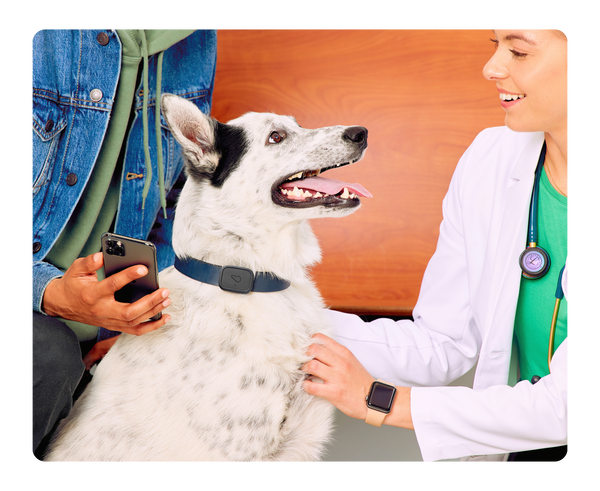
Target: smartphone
column 119, row 253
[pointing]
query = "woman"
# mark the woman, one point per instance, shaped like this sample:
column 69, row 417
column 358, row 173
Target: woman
column 473, row 298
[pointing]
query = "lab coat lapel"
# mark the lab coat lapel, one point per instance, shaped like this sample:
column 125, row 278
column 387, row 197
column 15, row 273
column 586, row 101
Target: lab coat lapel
column 505, row 276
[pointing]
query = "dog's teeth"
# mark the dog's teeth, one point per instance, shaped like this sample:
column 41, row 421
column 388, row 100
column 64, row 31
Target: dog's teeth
column 351, row 162
column 345, row 194
column 307, row 194
column 352, row 196
column 296, row 192
column 304, row 175
column 318, row 195
column 284, row 191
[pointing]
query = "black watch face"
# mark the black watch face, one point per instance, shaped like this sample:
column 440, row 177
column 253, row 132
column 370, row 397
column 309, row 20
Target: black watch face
column 381, row 397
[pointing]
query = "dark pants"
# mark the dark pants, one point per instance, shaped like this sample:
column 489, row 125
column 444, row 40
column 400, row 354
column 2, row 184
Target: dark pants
column 553, row 454
column 57, row 370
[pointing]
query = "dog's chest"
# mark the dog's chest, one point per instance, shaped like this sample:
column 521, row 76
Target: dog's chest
column 225, row 380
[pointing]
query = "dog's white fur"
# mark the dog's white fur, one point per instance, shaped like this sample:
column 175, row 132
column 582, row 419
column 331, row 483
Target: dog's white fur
column 222, row 380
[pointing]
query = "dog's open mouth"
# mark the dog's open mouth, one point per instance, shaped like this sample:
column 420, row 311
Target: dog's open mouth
column 305, row 189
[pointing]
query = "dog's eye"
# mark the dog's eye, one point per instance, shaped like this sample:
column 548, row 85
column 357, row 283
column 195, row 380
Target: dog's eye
column 275, row 137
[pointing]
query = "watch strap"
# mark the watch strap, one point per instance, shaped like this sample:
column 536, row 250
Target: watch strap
column 374, row 417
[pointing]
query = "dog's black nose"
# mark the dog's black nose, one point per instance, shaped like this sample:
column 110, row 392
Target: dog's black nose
column 356, row 134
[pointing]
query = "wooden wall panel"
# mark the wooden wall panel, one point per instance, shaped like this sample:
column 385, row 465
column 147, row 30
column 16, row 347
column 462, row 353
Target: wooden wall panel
column 423, row 98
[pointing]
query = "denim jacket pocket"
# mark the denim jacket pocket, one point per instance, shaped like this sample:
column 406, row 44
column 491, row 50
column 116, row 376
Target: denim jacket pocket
column 49, row 122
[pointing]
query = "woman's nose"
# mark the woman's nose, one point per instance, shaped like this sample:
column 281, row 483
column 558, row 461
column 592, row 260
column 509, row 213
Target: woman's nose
column 494, row 69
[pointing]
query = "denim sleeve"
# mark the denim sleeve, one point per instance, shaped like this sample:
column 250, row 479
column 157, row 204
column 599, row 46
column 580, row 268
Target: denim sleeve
column 43, row 273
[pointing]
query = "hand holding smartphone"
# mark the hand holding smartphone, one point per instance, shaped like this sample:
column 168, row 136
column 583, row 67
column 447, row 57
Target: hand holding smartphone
column 79, row 296
column 119, row 253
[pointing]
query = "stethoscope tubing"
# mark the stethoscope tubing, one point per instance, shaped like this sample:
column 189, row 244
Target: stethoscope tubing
column 532, row 246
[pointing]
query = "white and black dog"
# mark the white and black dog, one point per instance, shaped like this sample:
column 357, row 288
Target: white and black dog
column 222, row 380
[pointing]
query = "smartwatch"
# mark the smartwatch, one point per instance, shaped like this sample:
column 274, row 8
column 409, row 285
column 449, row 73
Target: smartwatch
column 379, row 402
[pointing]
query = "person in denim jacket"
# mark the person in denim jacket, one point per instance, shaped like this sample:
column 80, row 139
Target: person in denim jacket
column 103, row 160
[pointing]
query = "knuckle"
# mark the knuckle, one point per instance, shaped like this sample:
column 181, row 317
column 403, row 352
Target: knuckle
column 95, row 310
column 113, row 283
column 77, row 263
column 129, row 316
column 345, row 351
column 308, row 387
column 314, row 349
column 88, row 298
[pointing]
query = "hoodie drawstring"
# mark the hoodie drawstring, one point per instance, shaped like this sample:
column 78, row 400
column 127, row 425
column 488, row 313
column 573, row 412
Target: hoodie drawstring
column 161, row 184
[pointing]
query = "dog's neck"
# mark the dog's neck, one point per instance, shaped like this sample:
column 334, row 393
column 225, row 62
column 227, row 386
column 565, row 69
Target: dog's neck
column 209, row 231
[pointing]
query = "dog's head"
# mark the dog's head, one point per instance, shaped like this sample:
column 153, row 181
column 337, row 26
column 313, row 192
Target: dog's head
column 269, row 159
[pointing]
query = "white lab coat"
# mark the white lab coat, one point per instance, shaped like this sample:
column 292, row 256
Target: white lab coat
column 465, row 315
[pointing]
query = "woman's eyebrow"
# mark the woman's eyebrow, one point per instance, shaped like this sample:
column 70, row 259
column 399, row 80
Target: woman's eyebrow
column 510, row 37
column 521, row 37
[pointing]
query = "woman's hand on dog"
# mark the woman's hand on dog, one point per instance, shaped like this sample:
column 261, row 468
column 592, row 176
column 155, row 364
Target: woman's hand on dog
column 79, row 296
column 346, row 382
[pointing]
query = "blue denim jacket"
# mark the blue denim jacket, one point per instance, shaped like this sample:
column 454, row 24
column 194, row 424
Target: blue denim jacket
column 70, row 122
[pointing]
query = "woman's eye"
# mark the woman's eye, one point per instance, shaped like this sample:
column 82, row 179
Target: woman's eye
column 275, row 137
column 517, row 54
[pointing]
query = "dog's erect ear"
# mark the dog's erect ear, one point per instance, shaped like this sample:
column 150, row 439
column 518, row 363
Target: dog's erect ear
column 194, row 131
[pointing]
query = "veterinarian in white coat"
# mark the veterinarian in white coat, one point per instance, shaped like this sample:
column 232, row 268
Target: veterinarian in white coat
column 470, row 295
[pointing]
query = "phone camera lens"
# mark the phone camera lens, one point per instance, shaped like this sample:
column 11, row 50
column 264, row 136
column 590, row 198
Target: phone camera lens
column 110, row 250
column 110, row 243
column 119, row 249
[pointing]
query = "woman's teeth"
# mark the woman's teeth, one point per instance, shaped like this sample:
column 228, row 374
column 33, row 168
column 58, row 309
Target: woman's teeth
column 511, row 97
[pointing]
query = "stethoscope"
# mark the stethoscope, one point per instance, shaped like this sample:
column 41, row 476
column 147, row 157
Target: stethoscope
column 535, row 261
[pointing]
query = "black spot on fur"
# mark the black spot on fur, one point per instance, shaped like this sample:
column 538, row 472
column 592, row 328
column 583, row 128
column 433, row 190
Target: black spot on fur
column 231, row 144
column 196, row 173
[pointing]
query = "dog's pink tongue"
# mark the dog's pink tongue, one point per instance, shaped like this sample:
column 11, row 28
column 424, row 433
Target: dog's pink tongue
column 327, row 186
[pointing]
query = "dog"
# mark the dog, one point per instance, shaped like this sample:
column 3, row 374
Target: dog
column 222, row 380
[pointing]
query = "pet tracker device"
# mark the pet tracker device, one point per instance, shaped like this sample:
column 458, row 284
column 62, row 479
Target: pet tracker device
column 236, row 280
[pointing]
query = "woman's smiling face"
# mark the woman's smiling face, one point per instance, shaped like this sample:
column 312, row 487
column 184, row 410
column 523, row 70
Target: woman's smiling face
column 529, row 68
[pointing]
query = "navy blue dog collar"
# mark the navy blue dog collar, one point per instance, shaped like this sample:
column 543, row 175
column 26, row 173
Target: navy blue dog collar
column 230, row 278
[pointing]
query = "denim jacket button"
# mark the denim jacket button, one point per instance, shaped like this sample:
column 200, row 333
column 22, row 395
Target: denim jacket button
column 102, row 39
column 36, row 247
column 49, row 125
column 72, row 179
column 96, row 95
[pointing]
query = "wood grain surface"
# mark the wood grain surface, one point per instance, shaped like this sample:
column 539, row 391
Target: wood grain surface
column 423, row 98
